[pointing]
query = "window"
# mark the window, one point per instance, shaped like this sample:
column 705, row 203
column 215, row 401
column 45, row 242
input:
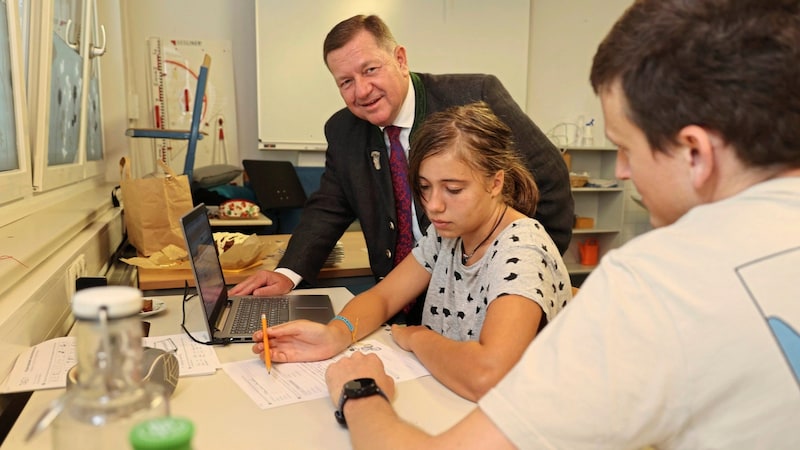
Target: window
column 94, row 122
column 14, row 153
column 66, row 114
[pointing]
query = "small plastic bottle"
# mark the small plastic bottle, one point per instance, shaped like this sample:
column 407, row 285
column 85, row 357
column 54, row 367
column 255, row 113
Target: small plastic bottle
column 164, row 433
column 587, row 139
column 109, row 397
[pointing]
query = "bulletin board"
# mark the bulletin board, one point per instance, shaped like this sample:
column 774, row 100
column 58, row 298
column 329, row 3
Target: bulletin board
column 296, row 93
column 174, row 66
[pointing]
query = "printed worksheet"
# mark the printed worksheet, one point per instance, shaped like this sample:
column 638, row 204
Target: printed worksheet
column 45, row 366
column 42, row 366
column 296, row 382
column 193, row 358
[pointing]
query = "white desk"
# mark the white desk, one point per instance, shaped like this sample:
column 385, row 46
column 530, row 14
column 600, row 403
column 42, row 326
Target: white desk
column 225, row 418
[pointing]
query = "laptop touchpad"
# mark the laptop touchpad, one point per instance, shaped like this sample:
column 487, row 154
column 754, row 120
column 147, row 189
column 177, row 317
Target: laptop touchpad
column 321, row 315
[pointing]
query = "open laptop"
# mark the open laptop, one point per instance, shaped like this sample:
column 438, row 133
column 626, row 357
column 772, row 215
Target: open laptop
column 235, row 319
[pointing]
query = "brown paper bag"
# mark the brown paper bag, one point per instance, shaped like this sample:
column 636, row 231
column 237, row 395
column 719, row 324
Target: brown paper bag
column 153, row 207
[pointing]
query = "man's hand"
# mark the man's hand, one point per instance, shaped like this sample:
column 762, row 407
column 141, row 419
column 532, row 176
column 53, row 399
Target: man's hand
column 358, row 365
column 263, row 282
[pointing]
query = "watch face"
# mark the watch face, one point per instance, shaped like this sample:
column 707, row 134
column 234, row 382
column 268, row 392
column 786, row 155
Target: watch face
column 358, row 388
column 354, row 387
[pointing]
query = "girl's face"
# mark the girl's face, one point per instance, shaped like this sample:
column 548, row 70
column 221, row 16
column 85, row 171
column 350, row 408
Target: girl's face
column 456, row 198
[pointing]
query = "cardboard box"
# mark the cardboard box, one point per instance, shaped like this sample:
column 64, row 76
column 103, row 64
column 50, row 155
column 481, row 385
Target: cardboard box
column 584, row 222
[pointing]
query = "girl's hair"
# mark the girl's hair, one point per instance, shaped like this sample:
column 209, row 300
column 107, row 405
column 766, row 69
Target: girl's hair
column 483, row 142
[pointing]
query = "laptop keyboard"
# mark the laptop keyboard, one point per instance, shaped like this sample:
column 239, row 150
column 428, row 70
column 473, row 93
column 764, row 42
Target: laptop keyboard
column 248, row 316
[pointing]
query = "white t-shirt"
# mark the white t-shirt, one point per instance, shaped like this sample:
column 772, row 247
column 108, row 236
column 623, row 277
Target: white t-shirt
column 521, row 260
column 686, row 337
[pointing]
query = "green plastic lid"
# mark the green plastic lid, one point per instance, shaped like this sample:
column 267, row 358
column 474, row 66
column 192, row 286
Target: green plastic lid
column 163, row 433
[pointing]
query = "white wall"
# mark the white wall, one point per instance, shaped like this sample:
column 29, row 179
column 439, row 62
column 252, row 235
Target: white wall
column 35, row 303
column 112, row 88
column 231, row 20
column 47, row 233
column 564, row 37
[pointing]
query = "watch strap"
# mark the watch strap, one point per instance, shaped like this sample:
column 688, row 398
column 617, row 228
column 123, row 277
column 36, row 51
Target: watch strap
column 372, row 391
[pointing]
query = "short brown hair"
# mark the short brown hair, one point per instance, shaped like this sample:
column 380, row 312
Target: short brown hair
column 345, row 30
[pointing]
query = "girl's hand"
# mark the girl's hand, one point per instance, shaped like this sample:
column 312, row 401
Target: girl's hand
column 403, row 334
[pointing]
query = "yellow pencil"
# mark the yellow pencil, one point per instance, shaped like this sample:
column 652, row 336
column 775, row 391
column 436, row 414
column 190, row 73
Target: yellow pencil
column 267, row 359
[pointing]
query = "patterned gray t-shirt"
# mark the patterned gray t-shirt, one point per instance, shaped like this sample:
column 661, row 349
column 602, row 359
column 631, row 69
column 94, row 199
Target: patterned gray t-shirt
column 522, row 260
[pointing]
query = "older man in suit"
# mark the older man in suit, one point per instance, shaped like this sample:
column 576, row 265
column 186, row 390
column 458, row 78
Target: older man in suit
column 371, row 71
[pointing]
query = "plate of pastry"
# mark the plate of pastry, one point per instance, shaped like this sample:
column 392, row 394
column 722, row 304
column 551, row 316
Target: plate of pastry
column 150, row 307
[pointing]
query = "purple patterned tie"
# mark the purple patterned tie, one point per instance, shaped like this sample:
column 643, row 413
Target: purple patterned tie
column 402, row 194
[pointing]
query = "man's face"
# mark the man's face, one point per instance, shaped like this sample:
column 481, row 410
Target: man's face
column 662, row 179
column 372, row 81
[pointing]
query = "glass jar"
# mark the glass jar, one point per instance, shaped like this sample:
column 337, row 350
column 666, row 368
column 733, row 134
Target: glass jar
column 109, row 397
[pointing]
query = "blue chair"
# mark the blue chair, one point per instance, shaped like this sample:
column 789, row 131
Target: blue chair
column 193, row 134
column 309, row 178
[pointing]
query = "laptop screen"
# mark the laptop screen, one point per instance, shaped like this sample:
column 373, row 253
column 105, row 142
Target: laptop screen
column 205, row 262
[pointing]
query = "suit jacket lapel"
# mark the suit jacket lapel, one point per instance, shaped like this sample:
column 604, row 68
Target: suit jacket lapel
column 420, row 112
column 377, row 154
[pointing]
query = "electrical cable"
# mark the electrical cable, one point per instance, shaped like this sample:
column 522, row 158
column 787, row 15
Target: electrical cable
column 186, row 298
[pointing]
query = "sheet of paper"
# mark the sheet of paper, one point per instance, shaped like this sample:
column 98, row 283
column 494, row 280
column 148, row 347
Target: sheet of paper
column 193, row 358
column 45, row 366
column 296, row 382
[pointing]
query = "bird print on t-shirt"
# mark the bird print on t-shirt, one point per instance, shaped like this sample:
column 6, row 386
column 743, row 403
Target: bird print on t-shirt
column 515, row 263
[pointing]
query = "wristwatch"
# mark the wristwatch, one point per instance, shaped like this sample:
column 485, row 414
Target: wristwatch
column 358, row 388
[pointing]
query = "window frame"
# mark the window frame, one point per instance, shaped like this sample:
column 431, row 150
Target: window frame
column 16, row 183
column 47, row 177
column 95, row 167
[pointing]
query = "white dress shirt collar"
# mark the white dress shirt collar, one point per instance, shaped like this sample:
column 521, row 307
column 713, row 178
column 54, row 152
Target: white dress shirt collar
column 405, row 118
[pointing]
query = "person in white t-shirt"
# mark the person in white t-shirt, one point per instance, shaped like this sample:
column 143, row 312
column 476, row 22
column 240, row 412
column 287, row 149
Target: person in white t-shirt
column 687, row 336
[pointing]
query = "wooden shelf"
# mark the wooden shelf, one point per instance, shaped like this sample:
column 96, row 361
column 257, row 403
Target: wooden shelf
column 579, row 269
column 596, row 190
column 595, row 230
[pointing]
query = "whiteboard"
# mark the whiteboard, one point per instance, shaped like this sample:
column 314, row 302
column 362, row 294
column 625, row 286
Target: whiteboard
column 296, row 93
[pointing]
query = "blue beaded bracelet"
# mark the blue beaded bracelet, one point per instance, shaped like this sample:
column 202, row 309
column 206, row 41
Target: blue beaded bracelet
column 353, row 329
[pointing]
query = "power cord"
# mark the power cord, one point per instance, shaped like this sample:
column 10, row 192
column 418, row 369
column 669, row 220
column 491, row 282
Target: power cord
column 211, row 341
